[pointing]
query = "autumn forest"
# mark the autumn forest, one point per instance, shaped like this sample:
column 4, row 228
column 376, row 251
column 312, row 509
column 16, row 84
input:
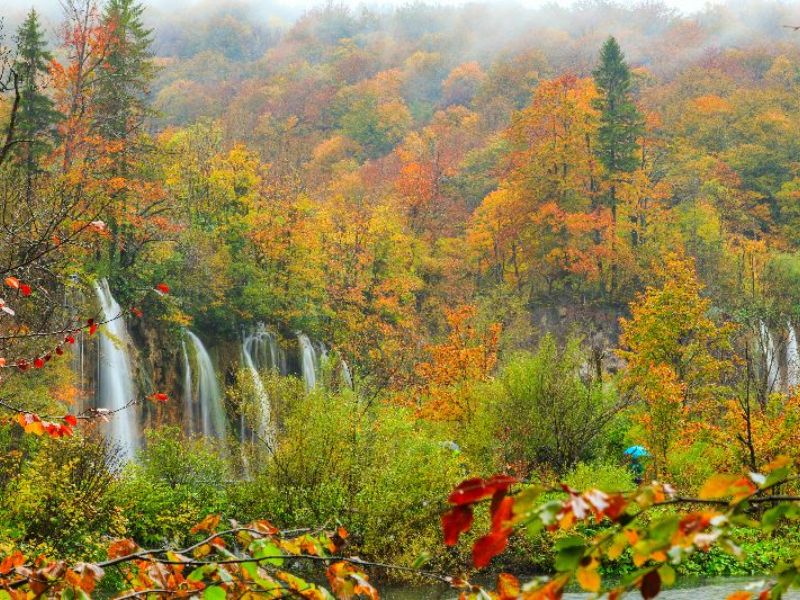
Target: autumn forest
column 481, row 300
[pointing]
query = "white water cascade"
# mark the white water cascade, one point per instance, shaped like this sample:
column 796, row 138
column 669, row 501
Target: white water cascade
column 256, row 347
column 188, row 392
column 792, row 357
column 347, row 376
column 309, row 361
column 202, row 394
column 115, row 389
column 770, row 356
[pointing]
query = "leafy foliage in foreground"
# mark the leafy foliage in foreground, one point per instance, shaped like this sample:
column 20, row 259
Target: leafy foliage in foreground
column 238, row 562
column 632, row 522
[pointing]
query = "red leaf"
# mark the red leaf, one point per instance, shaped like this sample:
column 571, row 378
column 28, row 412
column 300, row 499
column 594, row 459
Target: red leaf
column 22, row 364
column 59, row 350
column 92, row 326
column 38, row 363
column 489, row 546
column 159, row 397
column 71, row 420
column 70, row 339
column 472, row 490
column 456, row 521
column 136, row 312
column 651, row 585
column 25, row 289
column 162, row 288
column 502, row 511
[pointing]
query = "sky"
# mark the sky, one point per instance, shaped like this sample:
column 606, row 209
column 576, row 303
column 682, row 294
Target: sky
column 12, row 8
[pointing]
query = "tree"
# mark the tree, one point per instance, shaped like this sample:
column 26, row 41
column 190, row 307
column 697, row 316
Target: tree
column 619, row 129
column 676, row 354
column 37, row 115
column 127, row 71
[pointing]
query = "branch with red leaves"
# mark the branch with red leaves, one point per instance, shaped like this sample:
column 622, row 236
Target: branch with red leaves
column 655, row 547
column 229, row 563
column 62, row 425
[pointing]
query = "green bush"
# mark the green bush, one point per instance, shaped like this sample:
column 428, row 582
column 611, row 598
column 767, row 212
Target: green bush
column 605, row 476
column 175, row 483
column 61, row 500
column 376, row 470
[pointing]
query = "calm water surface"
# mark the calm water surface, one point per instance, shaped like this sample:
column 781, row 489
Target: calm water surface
column 711, row 590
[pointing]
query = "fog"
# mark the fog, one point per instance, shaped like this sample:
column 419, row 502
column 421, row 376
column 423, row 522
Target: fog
column 287, row 9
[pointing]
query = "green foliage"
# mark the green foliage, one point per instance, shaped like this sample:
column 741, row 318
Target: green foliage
column 544, row 410
column 373, row 469
column 620, row 121
column 37, row 116
column 175, row 483
column 605, row 476
column 62, row 501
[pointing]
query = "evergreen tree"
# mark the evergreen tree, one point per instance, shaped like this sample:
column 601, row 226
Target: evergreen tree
column 37, row 116
column 620, row 127
column 121, row 98
column 620, row 121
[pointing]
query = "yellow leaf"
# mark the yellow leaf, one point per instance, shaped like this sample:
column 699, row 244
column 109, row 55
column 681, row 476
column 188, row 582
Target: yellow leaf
column 589, row 579
column 36, row 428
column 718, row 486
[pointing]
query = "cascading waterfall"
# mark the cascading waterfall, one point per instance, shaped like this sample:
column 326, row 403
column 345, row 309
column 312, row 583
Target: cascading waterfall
column 205, row 403
column 188, row 392
column 347, row 377
column 770, row 356
column 115, row 387
column 792, row 357
column 308, row 361
column 256, row 346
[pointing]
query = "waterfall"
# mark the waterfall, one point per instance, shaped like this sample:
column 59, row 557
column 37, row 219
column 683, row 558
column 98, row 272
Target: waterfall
column 771, row 366
column 206, row 393
column 115, row 387
column 347, row 377
column 254, row 350
column 308, row 361
column 188, row 392
column 792, row 358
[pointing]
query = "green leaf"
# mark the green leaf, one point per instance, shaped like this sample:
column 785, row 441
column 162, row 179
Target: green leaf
column 214, row 593
column 525, row 501
column 421, row 560
column 663, row 529
column 264, row 548
column 569, row 552
column 200, row 572
column 667, row 575
column 776, row 477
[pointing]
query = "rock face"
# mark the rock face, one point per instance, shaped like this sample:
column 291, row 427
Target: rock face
column 599, row 326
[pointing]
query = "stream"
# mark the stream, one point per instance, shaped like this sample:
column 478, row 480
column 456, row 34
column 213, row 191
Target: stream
column 713, row 589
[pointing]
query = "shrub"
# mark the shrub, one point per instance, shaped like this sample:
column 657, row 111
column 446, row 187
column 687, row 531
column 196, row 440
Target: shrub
column 175, row 483
column 61, row 501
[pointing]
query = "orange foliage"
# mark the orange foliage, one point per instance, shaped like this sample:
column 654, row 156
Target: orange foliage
column 466, row 357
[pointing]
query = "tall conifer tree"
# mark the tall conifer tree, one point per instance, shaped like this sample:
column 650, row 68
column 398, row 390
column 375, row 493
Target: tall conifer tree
column 121, row 99
column 37, row 116
column 621, row 124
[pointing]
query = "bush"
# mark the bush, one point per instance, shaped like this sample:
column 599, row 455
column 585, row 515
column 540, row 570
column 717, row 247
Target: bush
column 605, row 476
column 543, row 412
column 61, row 500
column 376, row 470
column 177, row 481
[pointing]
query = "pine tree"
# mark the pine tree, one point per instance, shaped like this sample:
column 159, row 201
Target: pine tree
column 37, row 116
column 121, row 99
column 620, row 121
column 620, row 127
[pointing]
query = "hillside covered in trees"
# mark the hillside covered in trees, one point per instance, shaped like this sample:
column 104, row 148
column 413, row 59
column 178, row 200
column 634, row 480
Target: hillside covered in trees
column 318, row 270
